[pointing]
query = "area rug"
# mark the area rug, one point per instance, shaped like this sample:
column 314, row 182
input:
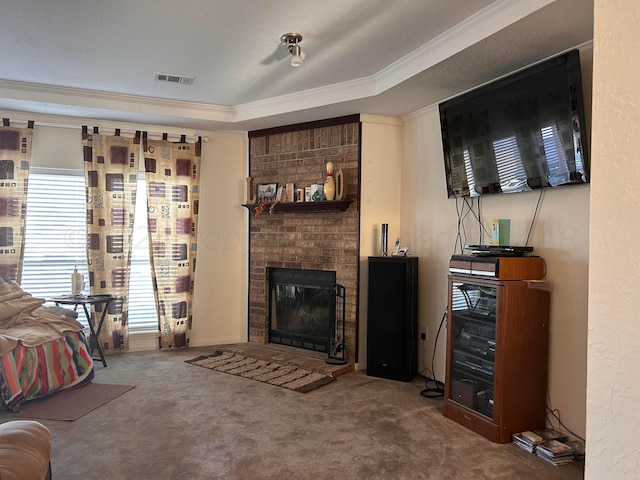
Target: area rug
column 286, row 376
column 73, row 404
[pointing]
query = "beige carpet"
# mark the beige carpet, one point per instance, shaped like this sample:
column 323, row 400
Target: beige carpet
column 183, row 422
column 286, row 376
column 73, row 404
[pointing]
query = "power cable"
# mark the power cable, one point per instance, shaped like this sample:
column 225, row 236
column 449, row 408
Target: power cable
column 438, row 389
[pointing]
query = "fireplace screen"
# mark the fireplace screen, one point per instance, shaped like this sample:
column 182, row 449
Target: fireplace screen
column 300, row 310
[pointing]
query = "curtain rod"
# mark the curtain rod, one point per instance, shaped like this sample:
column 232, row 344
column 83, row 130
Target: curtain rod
column 6, row 122
column 162, row 135
column 112, row 126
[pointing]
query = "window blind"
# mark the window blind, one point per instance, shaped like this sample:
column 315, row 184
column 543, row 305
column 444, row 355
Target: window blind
column 55, row 243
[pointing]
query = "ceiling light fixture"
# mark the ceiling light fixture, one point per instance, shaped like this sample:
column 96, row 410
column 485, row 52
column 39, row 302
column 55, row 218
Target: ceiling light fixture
column 291, row 41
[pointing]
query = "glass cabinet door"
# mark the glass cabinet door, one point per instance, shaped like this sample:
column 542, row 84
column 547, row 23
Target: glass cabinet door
column 472, row 324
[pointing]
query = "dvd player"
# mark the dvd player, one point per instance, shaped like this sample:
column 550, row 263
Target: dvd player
column 499, row 250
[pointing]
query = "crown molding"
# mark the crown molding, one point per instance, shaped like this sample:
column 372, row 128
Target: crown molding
column 127, row 127
column 477, row 27
column 470, row 31
column 315, row 97
column 34, row 92
column 585, row 47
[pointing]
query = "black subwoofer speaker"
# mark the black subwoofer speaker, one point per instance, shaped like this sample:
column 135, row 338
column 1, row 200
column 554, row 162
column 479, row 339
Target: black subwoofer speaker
column 392, row 317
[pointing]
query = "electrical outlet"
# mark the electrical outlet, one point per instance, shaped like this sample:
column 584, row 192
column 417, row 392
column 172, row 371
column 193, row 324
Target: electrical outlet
column 424, row 333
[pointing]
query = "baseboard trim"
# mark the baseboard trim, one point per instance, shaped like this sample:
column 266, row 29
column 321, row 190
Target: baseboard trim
column 148, row 341
column 143, row 341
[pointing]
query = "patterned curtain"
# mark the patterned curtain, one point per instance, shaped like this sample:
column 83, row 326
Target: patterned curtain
column 111, row 168
column 15, row 157
column 173, row 175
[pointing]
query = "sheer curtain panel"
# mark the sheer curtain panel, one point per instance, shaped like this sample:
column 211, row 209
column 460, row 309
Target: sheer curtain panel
column 15, row 158
column 111, row 167
column 173, row 174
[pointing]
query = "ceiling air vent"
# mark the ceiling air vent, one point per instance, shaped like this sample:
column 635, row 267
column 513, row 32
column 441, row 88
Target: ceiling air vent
column 172, row 78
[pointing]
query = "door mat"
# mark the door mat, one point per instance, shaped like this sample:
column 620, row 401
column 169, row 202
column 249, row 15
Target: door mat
column 72, row 404
column 286, row 376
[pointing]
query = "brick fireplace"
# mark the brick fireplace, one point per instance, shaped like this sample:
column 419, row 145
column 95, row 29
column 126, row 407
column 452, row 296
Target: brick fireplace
column 305, row 240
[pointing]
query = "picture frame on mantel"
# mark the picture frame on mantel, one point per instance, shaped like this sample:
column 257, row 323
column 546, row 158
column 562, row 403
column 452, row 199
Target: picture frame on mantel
column 251, row 192
column 341, row 193
column 266, row 191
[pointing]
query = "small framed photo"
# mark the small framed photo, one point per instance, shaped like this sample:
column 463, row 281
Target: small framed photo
column 267, row 191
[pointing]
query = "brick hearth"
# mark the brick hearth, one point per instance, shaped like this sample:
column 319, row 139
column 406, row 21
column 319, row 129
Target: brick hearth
column 318, row 241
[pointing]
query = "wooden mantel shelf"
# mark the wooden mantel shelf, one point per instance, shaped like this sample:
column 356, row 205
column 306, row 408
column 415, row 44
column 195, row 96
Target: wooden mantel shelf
column 304, row 207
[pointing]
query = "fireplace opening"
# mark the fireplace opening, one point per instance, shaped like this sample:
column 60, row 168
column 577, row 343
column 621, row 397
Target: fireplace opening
column 301, row 312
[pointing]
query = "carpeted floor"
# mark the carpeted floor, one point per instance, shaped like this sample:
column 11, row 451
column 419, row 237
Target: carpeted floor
column 192, row 423
column 290, row 377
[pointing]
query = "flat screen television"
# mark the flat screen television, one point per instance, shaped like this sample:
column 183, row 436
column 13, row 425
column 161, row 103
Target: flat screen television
column 519, row 133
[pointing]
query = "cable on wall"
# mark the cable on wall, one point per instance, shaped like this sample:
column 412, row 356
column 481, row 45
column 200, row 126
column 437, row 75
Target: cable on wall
column 535, row 215
column 464, row 209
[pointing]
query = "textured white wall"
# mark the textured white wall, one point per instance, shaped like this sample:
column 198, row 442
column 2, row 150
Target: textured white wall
column 613, row 445
column 560, row 235
column 380, row 193
column 220, row 301
column 220, row 296
column 57, row 148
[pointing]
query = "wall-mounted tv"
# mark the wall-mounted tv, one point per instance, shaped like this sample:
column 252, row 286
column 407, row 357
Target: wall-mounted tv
column 522, row 132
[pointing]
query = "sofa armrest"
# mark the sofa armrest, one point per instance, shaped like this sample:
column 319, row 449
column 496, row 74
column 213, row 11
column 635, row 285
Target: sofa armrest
column 25, row 450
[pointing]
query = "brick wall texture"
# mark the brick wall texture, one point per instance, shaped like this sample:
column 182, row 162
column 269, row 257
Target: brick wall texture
column 305, row 240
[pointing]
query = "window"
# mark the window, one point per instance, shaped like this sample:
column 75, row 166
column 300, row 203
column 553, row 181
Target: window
column 55, row 233
column 510, row 168
column 142, row 304
column 55, row 242
column 561, row 165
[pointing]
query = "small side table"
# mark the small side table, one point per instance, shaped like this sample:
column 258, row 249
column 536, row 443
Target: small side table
column 94, row 328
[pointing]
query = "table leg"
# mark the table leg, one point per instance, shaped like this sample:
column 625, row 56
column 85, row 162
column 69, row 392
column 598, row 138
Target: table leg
column 94, row 336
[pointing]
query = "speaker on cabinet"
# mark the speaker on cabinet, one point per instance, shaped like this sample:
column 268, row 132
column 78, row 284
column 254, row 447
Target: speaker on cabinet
column 392, row 317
